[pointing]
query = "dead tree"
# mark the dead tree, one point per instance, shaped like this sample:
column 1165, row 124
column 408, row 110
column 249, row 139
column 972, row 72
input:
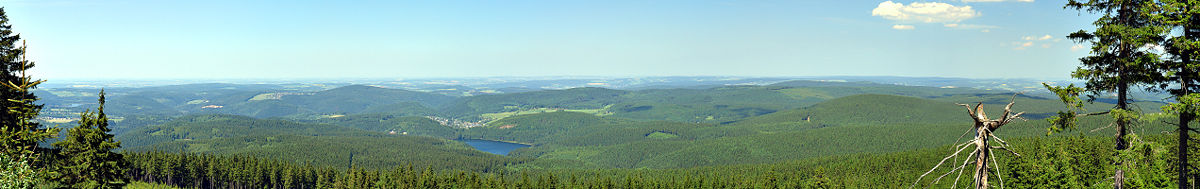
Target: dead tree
column 982, row 156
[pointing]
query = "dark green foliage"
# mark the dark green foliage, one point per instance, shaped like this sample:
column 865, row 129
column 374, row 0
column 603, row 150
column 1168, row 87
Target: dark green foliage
column 403, row 108
column 199, row 127
column 316, row 143
column 86, row 157
column 132, row 122
column 533, row 128
column 342, row 151
column 141, row 103
column 713, row 105
column 357, row 98
column 19, row 133
column 840, row 89
column 265, row 109
column 1180, row 72
column 848, row 125
column 25, row 163
column 867, row 109
column 771, row 138
column 17, row 172
column 1117, row 62
column 1046, row 162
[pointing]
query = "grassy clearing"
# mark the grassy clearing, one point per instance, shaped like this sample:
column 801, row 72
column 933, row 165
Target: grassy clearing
column 501, row 115
column 661, row 135
column 264, row 96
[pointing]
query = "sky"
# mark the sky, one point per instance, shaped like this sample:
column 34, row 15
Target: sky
column 217, row 39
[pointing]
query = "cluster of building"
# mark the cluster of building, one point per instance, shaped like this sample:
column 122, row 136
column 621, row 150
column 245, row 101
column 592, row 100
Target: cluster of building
column 455, row 123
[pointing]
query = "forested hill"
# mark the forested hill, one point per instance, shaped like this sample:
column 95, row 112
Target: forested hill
column 200, row 127
column 714, row 104
column 356, row 98
column 577, row 98
column 575, row 130
column 867, row 109
column 319, row 144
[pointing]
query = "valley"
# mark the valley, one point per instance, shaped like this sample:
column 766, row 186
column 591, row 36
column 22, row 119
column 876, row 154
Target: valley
column 556, row 130
column 599, row 94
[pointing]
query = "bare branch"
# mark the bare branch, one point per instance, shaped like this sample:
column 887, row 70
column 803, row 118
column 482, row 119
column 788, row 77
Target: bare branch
column 1105, row 127
column 955, row 154
column 1092, row 114
column 960, row 171
column 1005, row 120
column 998, row 176
column 970, row 112
column 979, row 114
column 948, row 173
column 1006, row 149
column 1008, row 109
column 961, row 136
column 1002, row 142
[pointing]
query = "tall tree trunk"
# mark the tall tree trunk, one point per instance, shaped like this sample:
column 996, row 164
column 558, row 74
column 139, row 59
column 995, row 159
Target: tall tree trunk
column 1125, row 13
column 1119, row 175
column 1185, row 117
column 981, row 161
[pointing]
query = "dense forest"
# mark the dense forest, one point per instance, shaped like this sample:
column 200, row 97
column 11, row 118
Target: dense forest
column 1101, row 133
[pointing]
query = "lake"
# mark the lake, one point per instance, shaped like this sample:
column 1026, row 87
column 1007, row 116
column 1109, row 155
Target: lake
column 495, row 147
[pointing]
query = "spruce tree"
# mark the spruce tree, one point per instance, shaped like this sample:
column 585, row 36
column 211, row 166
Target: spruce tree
column 88, row 160
column 1120, row 61
column 19, row 134
column 1180, row 72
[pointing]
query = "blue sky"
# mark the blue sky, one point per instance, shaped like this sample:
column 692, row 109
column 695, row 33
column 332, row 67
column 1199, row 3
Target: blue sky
column 415, row 39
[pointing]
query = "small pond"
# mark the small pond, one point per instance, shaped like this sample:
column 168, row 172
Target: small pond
column 495, row 147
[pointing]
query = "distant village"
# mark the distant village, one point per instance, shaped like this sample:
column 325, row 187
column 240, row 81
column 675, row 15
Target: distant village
column 455, row 123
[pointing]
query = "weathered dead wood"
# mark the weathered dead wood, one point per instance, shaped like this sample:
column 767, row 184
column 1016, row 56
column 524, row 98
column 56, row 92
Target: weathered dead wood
column 982, row 157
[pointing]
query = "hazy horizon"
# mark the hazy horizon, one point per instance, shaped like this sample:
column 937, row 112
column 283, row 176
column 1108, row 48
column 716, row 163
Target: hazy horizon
column 259, row 40
column 549, row 77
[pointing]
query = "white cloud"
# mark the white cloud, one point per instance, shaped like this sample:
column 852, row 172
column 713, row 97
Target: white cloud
column 985, row 30
column 968, row 26
column 1076, row 47
column 989, row 1
column 1036, row 38
column 1029, row 41
column 931, row 12
column 1021, row 46
column 903, row 27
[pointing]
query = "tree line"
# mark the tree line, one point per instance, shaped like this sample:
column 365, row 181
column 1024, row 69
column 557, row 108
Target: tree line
column 82, row 158
column 1146, row 44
